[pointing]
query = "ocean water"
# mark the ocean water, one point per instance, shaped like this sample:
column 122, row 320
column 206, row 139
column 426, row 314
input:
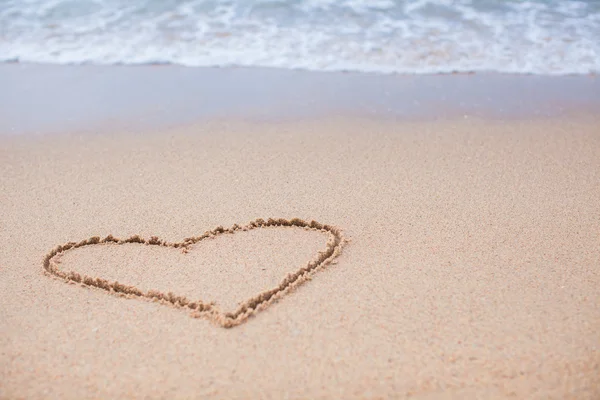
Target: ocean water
column 422, row 36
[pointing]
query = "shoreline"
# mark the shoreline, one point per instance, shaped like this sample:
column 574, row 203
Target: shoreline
column 51, row 98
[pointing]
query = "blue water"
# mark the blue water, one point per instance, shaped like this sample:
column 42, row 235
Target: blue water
column 424, row 36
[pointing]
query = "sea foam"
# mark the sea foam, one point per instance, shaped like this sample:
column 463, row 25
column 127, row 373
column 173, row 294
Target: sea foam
column 423, row 36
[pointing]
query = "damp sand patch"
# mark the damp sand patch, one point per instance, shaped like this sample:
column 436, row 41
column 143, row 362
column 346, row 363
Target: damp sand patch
column 144, row 254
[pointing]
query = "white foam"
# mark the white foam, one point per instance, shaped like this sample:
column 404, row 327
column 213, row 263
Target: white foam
column 422, row 36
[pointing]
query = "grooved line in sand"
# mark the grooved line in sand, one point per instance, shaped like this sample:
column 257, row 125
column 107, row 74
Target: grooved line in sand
column 199, row 308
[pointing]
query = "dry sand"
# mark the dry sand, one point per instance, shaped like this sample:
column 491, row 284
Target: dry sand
column 472, row 270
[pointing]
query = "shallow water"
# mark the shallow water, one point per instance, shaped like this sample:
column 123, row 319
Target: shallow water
column 424, row 36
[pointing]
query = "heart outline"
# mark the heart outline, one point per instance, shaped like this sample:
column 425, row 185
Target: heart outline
column 200, row 309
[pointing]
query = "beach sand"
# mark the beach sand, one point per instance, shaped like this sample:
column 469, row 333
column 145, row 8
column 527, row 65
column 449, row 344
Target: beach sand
column 471, row 269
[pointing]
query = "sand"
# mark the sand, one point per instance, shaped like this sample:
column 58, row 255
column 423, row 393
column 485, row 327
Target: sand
column 471, row 270
column 184, row 266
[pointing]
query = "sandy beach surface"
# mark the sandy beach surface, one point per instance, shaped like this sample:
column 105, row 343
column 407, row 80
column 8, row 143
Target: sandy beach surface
column 471, row 269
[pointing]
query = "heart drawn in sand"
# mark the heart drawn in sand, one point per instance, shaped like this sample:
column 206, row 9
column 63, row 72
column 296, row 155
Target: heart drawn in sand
column 202, row 308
